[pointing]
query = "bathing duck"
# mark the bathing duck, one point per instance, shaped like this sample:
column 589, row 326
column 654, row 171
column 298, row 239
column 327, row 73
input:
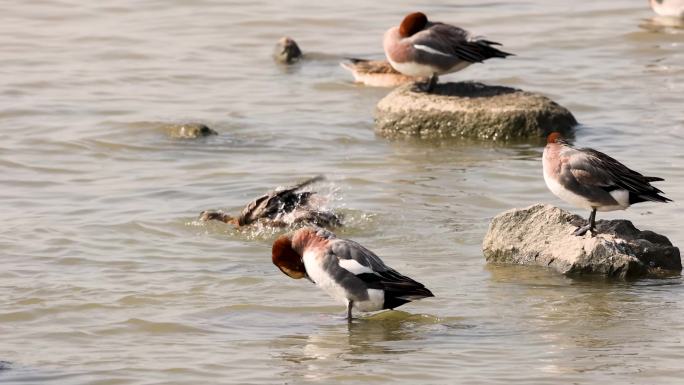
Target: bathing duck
column 280, row 208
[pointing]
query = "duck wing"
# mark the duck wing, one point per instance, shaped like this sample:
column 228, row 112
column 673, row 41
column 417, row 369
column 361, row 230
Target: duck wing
column 370, row 269
column 448, row 40
column 594, row 168
column 278, row 201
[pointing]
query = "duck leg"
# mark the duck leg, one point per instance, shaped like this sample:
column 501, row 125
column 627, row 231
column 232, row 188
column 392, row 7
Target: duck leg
column 591, row 226
column 349, row 310
column 432, row 83
column 426, row 87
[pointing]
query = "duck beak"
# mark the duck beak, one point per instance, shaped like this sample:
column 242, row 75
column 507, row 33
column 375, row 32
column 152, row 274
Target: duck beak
column 309, row 278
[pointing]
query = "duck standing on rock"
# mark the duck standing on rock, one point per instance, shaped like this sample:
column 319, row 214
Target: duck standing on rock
column 282, row 207
column 344, row 269
column 421, row 48
column 591, row 179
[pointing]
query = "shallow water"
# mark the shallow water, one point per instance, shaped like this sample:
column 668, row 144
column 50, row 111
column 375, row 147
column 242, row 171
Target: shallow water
column 107, row 279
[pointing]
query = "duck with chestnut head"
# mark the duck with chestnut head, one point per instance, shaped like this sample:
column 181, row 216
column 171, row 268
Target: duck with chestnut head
column 593, row 180
column 422, row 48
column 344, row 269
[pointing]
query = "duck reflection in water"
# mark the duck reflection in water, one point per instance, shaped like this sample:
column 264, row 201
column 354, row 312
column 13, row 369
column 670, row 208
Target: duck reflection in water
column 586, row 322
column 344, row 350
column 340, row 347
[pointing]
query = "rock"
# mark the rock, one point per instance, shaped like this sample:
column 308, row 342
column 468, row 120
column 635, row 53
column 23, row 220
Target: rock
column 286, row 51
column 469, row 109
column 189, row 130
column 542, row 235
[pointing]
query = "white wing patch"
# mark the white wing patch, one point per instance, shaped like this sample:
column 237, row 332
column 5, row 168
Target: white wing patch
column 429, row 50
column 354, row 267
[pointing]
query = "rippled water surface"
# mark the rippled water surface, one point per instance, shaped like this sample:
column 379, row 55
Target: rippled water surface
column 107, row 279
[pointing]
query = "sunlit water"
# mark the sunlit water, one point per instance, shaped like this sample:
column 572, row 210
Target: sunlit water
column 107, row 279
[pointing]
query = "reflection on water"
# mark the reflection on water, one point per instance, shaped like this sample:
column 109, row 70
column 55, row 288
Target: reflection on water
column 662, row 24
column 341, row 349
column 587, row 324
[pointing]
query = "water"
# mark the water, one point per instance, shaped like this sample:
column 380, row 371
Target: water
column 107, row 279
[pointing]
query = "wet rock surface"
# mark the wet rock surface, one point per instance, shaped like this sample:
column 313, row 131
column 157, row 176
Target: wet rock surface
column 472, row 110
column 189, row 130
column 542, row 235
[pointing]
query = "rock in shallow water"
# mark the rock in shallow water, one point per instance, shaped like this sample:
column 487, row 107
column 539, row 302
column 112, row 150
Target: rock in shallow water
column 189, row 130
column 286, row 51
column 542, row 235
column 473, row 110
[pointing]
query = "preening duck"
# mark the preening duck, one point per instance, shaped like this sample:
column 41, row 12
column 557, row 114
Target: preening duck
column 421, row 48
column 346, row 270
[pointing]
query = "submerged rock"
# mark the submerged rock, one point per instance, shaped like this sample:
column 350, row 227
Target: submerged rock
column 473, row 110
column 286, row 51
column 189, row 130
column 542, row 235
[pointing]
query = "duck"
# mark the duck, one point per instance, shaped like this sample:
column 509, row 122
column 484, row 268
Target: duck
column 344, row 269
column 668, row 8
column 281, row 208
column 421, row 48
column 377, row 73
column 593, row 180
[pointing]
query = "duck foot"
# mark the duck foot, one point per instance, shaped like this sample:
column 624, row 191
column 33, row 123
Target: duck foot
column 425, row 87
column 591, row 225
column 580, row 231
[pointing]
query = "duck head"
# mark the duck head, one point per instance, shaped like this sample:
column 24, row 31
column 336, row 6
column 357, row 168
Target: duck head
column 412, row 24
column 218, row 216
column 287, row 259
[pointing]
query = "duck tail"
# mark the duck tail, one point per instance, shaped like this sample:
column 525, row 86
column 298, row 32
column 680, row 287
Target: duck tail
column 486, row 49
column 397, row 294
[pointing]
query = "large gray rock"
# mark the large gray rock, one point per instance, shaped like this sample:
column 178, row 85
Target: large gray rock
column 472, row 110
column 542, row 235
